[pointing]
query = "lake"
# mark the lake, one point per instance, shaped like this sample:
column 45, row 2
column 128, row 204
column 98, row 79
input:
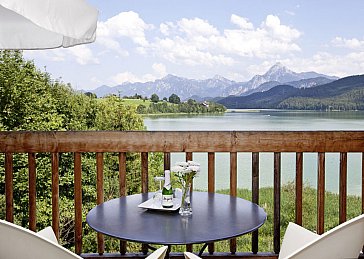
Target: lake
column 256, row 120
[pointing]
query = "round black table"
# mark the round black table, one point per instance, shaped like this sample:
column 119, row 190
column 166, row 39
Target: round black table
column 215, row 217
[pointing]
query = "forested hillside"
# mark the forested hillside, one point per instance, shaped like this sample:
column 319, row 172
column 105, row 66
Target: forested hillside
column 32, row 100
column 342, row 94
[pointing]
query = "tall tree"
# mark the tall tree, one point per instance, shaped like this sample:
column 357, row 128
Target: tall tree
column 174, row 99
column 154, row 98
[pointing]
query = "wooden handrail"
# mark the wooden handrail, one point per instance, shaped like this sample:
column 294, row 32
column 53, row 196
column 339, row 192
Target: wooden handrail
column 189, row 142
column 185, row 141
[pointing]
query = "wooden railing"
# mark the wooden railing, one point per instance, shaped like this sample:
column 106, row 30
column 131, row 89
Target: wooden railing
column 233, row 142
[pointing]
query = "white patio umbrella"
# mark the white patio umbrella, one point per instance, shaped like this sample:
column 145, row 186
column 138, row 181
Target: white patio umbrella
column 45, row 24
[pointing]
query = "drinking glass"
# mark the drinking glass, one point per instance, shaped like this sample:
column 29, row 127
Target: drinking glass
column 157, row 197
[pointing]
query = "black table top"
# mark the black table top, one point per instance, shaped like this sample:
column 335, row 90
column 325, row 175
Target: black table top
column 215, row 217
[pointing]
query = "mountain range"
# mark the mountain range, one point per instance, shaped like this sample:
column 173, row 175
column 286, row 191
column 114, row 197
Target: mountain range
column 217, row 86
column 343, row 94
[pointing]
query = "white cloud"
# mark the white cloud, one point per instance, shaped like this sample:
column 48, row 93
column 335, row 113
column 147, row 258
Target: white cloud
column 83, row 55
column 125, row 77
column 292, row 13
column 164, row 28
column 196, row 42
column 159, row 72
column 242, row 22
column 159, row 69
column 112, row 44
column 182, row 51
column 125, row 24
column 196, row 27
column 278, row 31
column 353, row 43
column 329, row 64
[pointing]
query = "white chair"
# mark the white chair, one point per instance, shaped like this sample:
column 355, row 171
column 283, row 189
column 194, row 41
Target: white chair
column 17, row 242
column 189, row 255
column 344, row 241
column 48, row 234
column 160, row 253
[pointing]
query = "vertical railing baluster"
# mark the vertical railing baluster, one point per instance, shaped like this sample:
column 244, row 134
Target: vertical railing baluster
column 9, row 191
column 55, row 194
column 32, row 192
column 211, row 185
column 343, row 188
column 255, row 195
column 211, row 171
column 362, row 183
column 277, row 202
column 78, row 202
column 321, row 194
column 122, row 189
column 233, row 189
column 189, row 157
column 100, row 196
column 362, row 188
column 144, row 165
column 167, row 161
column 299, row 187
column 144, row 161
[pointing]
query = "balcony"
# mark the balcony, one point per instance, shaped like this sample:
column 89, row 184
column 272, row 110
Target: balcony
column 54, row 144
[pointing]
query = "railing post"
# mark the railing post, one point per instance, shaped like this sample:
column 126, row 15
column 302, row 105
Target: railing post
column 362, row 184
column 321, row 194
column 78, row 202
column 342, row 189
column 167, row 161
column 277, row 202
column 9, row 194
column 55, row 194
column 299, row 187
column 32, row 192
column 122, row 189
column 189, row 157
column 211, row 185
column 144, row 165
column 255, row 195
column 233, row 189
column 100, row 195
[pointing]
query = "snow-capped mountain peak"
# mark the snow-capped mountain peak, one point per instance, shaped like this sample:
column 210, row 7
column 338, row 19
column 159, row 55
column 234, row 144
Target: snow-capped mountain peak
column 212, row 87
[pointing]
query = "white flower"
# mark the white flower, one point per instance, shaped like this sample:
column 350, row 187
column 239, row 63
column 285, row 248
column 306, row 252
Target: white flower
column 177, row 169
column 182, row 168
column 192, row 163
column 194, row 168
column 182, row 164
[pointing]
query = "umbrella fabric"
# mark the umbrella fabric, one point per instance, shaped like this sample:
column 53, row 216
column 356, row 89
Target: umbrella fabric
column 43, row 24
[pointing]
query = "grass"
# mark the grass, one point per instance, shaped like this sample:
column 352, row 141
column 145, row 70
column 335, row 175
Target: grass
column 309, row 207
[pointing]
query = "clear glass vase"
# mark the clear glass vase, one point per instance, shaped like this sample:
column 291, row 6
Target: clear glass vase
column 186, row 208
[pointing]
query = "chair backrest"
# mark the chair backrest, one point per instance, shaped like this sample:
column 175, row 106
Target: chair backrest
column 48, row 234
column 295, row 238
column 189, row 255
column 344, row 241
column 160, row 253
column 17, row 242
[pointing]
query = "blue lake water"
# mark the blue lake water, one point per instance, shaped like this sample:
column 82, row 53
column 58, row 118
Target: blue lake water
column 268, row 120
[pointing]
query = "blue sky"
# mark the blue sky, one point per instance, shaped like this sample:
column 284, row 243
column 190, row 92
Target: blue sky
column 144, row 40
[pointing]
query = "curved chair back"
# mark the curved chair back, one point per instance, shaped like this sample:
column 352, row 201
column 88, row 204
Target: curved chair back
column 17, row 242
column 344, row 241
column 160, row 253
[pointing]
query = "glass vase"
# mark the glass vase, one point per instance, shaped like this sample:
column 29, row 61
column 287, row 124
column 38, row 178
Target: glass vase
column 186, row 208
